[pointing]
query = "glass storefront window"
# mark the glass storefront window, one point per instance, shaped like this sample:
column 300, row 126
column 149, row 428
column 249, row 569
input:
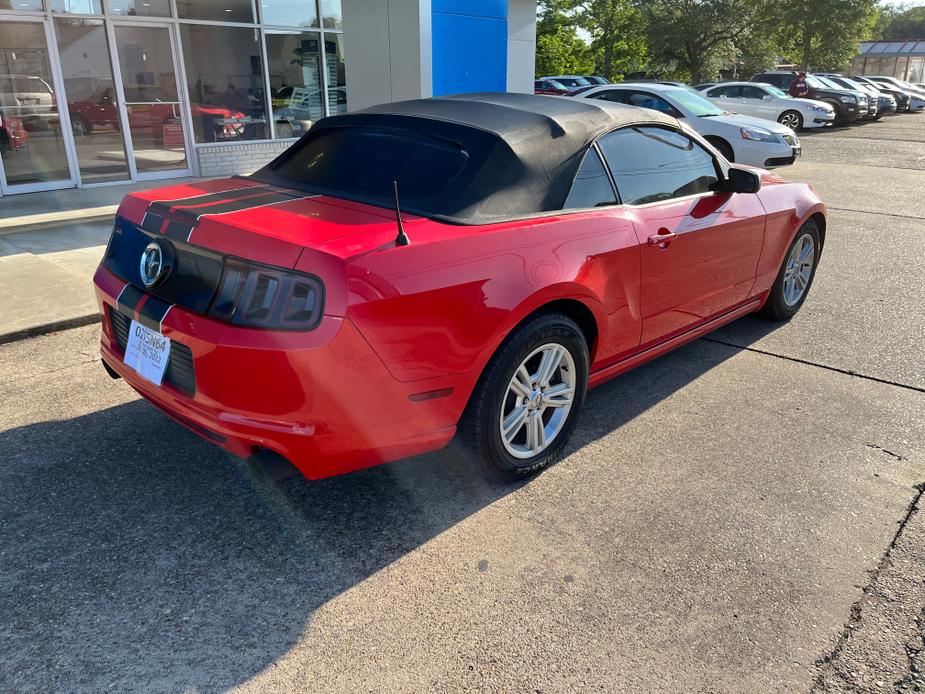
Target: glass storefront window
column 294, row 62
column 332, row 14
column 31, row 141
column 77, row 6
column 22, row 5
column 139, row 8
column 217, row 10
column 336, row 79
column 91, row 100
column 289, row 13
column 224, row 73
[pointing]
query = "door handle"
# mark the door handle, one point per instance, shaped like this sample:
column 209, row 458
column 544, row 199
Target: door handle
column 662, row 238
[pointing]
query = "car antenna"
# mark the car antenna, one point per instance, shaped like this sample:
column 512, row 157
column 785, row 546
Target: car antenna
column 402, row 238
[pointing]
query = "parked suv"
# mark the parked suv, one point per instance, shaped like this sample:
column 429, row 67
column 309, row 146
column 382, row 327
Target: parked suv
column 886, row 104
column 862, row 96
column 902, row 97
column 847, row 106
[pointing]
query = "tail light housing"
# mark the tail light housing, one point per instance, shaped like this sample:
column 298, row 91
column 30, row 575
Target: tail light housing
column 257, row 296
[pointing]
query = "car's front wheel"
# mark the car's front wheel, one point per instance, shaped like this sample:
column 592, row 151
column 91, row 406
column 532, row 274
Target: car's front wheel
column 792, row 120
column 796, row 275
column 525, row 406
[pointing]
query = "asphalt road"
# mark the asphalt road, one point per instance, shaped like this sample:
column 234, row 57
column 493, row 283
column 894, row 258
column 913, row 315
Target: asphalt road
column 737, row 516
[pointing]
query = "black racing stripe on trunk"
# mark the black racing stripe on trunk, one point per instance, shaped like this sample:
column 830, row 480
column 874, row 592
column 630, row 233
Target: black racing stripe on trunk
column 179, row 230
column 163, row 207
column 191, row 216
column 152, row 222
column 268, row 198
column 153, row 312
column 129, row 298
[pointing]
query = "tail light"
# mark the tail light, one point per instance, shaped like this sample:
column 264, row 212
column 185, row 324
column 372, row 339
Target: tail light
column 261, row 297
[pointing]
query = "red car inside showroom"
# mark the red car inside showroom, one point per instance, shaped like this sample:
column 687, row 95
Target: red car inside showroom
column 451, row 267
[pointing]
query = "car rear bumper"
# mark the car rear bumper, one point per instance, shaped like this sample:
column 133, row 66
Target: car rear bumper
column 322, row 399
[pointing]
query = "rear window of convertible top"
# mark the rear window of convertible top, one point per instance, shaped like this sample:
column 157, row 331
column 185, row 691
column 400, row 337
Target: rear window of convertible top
column 363, row 162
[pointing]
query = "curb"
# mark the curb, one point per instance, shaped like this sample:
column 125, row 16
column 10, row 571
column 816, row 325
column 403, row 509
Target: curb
column 54, row 327
column 53, row 224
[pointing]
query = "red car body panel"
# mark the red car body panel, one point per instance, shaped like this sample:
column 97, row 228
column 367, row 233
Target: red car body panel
column 407, row 330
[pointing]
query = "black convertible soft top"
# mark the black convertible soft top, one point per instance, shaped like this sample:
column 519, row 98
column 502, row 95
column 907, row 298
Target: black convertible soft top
column 465, row 159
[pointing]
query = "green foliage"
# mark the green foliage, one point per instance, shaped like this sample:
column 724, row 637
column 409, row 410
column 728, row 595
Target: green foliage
column 618, row 35
column 824, row 34
column 696, row 40
column 561, row 52
column 908, row 24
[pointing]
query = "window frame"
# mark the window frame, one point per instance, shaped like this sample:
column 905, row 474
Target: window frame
column 722, row 172
column 618, row 201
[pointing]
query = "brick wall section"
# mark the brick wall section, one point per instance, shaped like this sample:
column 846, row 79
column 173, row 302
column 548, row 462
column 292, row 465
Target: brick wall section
column 244, row 158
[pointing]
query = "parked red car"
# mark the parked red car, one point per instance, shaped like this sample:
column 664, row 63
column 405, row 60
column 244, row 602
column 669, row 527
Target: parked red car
column 545, row 246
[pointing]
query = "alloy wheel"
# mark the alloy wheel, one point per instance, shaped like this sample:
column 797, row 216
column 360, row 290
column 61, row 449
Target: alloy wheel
column 799, row 269
column 791, row 120
column 537, row 401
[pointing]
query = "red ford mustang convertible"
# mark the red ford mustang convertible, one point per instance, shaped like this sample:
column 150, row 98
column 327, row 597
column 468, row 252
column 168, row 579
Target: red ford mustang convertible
column 464, row 266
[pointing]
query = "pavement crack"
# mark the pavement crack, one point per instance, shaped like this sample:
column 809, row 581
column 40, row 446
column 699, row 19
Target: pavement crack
column 806, row 362
column 854, row 617
column 883, row 214
column 895, row 456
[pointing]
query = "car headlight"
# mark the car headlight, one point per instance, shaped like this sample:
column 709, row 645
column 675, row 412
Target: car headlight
column 847, row 99
column 758, row 135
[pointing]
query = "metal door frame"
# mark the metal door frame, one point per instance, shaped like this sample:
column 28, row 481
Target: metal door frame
column 67, row 136
column 111, row 26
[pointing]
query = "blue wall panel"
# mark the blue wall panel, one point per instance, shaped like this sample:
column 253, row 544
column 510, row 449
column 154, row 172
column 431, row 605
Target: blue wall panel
column 475, row 8
column 469, row 46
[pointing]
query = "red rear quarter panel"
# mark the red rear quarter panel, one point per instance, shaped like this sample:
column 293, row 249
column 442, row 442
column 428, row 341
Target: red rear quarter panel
column 788, row 207
column 461, row 289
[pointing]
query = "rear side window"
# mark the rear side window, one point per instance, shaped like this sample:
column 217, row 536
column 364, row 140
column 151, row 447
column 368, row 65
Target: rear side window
column 651, row 164
column 729, row 91
column 591, row 187
column 366, row 161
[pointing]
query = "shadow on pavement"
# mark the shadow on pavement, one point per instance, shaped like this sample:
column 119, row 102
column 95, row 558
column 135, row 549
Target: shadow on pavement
column 135, row 556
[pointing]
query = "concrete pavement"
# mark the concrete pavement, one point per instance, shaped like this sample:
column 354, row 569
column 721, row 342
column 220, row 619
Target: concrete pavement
column 50, row 245
column 740, row 515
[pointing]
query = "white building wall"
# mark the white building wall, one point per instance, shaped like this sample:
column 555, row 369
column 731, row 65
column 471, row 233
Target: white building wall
column 386, row 51
column 521, row 45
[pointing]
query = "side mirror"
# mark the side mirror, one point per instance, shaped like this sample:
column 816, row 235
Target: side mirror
column 742, row 181
column 767, row 97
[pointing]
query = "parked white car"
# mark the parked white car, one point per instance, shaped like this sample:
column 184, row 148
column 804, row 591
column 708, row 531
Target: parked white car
column 739, row 138
column 767, row 101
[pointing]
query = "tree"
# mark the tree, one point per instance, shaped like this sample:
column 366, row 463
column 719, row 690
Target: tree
column 694, row 39
column 562, row 53
column 824, row 34
column 559, row 49
column 617, row 31
column 909, row 24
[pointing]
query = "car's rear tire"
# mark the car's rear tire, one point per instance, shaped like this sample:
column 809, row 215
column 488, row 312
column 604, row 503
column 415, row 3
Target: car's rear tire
column 792, row 119
column 525, row 406
column 791, row 287
column 723, row 147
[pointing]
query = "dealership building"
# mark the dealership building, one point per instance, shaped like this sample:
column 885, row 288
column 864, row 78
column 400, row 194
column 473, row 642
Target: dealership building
column 100, row 92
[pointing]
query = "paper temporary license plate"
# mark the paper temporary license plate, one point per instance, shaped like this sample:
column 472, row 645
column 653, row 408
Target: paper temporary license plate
column 147, row 352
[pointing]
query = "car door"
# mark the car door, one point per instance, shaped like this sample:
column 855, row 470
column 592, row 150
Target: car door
column 639, row 97
column 757, row 104
column 726, row 96
column 699, row 244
